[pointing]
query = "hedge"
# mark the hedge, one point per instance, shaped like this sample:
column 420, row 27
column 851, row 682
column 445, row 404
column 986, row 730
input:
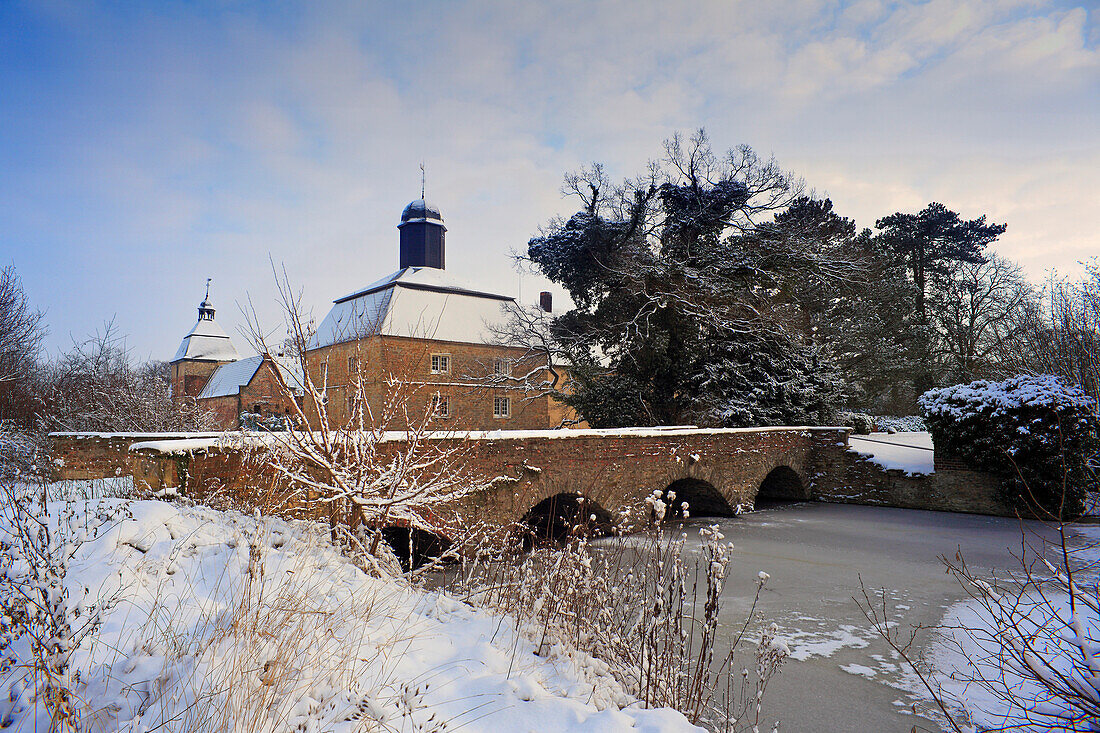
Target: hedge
column 1039, row 434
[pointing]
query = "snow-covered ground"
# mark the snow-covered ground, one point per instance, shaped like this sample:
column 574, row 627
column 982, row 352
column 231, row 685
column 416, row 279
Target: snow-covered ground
column 909, row 452
column 220, row 621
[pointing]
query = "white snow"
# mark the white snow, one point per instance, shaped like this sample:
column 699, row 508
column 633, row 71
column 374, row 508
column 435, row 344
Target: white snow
column 416, row 302
column 207, row 341
column 183, row 443
column 216, row 617
column 996, row 398
column 825, row 642
column 908, row 452
column 859, row 670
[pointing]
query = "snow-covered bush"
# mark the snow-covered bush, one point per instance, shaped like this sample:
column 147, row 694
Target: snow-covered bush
column 40, row 624
column 904, row 424
column 859, row 422
column 256, row 422
column 1037, row 433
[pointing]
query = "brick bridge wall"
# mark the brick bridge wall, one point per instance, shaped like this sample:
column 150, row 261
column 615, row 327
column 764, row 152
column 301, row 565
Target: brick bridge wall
column 617, row 469
column 78, row 456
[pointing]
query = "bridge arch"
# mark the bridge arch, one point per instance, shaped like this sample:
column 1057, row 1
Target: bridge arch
column 701, row 497
column 567, row 514
column 781, row 484
column 414, row 547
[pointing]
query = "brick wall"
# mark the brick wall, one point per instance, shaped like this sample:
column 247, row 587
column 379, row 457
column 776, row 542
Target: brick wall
column 78, row 456
column 375, row 360
column 189, row 377
column 615, row 469
column 845, row 476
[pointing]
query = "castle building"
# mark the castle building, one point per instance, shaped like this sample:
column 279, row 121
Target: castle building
column 417, row 339
column 208, row 368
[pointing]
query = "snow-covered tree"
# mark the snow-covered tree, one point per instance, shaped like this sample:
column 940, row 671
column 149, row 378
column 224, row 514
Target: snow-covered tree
column 687, row 309
column 96, row 386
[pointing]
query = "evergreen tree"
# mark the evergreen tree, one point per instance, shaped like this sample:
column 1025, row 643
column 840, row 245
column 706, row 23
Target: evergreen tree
column 687, row 310
column 932, row 244
column 931, row 240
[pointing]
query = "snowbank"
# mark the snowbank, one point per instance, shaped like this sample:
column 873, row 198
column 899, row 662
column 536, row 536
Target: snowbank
column 909, row 452
column 215, row 618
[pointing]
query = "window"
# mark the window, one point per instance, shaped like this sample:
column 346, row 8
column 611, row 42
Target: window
column 441, row 406
column 353, row 366
column 502, row 367
column 350, row 400
column 502, row 407
column 441, row 363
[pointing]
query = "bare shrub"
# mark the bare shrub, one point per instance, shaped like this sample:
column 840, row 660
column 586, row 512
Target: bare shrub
column 1030, row 637
column 40, row 626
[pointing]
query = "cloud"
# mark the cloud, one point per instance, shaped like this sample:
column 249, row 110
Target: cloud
column 155, row 147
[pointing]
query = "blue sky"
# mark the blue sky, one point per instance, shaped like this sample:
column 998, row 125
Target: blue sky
column 147, row 146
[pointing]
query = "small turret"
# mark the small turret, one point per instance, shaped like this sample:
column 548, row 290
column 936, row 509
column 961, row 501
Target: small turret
column 205, row 347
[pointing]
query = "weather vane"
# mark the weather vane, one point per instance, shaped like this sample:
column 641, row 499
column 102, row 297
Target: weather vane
column 423, row 180
column 207, row 298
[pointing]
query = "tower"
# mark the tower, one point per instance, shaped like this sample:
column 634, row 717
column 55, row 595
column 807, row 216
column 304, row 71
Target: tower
column 422, row 236
column 205, row 347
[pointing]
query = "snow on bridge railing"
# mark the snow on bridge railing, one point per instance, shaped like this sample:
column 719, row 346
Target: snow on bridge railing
column 193, row 443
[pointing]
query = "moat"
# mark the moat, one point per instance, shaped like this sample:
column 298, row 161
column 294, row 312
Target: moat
column 841, row 676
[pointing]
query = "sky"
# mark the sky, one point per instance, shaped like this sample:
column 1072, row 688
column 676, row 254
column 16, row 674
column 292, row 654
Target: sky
column 145, row 147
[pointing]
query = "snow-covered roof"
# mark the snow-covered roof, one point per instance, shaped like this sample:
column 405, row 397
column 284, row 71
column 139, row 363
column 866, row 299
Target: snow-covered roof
column 422, row 302
column 228, row 379
column 206, row 341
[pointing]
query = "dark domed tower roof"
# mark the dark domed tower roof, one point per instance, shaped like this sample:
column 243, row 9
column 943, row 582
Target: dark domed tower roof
column 421, row 211
column 422, row 236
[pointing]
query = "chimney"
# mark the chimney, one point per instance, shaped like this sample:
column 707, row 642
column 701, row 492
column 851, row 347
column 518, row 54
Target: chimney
column 546, row 301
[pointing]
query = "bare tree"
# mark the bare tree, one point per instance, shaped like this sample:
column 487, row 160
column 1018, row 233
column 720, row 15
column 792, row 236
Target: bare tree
column 540, row 370
column 21, row 333
column 96, row 386
column 977, row 314
column 1061, row 333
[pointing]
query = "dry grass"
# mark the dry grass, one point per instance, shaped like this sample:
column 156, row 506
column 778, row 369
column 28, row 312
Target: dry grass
column 644, row 609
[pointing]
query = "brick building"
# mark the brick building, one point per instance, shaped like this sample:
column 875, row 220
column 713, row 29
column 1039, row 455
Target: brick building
column 417, row 333
column 435, row 338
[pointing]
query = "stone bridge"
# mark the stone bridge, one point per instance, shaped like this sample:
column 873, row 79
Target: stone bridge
column 551, row 478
